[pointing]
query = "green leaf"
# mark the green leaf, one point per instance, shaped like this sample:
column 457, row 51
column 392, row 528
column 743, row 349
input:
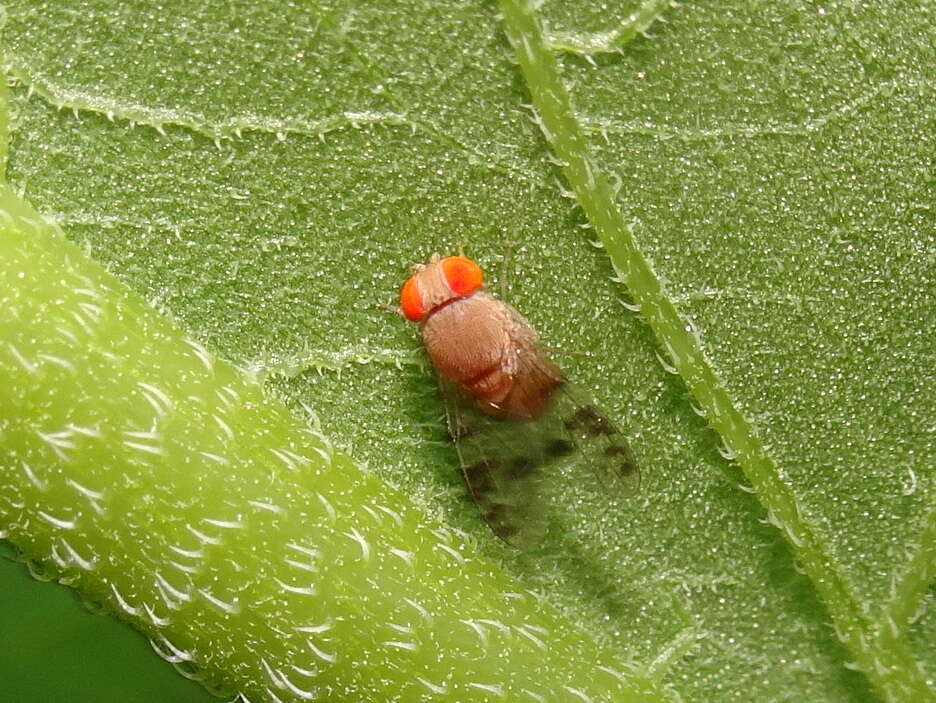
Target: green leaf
column 759, row 177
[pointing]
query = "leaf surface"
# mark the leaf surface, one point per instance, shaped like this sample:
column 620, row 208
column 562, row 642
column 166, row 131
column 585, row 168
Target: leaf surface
column 266, row 174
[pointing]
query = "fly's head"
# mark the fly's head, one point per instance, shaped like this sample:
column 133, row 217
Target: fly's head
column 437, row 283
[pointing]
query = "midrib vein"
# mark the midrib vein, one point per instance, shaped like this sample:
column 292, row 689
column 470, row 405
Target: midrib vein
column 910, row 588
column 888, row 663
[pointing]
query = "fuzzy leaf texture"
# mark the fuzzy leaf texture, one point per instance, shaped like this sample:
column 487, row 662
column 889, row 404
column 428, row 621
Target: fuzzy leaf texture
column 719, row 217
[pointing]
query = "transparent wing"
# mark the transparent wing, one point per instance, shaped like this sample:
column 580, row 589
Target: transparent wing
column 573, row 423
column 503, row 461
column 501, row 464
column 602, row 448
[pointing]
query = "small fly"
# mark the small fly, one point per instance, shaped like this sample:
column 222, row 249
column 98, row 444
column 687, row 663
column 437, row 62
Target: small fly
column 510, row 409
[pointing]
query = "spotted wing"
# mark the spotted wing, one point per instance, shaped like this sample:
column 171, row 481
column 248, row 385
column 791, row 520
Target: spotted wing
column 572, row 423
column 501, row 462
column 600, row 446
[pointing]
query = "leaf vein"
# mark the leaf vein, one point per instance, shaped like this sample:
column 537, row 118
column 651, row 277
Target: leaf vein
column 160, row 118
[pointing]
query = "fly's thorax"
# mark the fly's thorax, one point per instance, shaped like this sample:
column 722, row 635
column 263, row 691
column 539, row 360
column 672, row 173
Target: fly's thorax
column 469, row 338
column 483, row 345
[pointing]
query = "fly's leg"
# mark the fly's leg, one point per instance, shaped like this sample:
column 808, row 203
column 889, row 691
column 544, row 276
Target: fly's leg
column 390, row 308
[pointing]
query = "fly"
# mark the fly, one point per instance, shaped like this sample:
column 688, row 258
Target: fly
column 510, row 410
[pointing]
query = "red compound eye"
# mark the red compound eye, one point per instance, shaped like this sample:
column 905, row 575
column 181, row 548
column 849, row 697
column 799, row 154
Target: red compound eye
column 462, row 274
column 411, row 301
